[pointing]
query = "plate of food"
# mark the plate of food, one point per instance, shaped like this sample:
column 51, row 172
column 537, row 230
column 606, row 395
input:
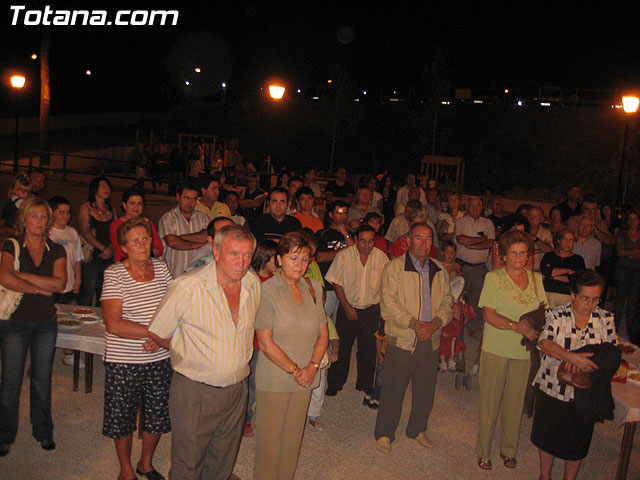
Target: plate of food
column 88, row 319
column 69, row 324
column 81, row 311
column 633, row 376
column 627, row 348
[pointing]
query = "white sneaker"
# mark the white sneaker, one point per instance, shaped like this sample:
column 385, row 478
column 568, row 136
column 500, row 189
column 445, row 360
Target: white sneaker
column 443, row 366
column 68, row 360
column 451, row 365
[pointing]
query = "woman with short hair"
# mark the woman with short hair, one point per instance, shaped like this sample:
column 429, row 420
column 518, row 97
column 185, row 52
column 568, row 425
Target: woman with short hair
column 291, row 327
column 137, row 370
column 507, row 294
column 559, row 428
column 559, row 267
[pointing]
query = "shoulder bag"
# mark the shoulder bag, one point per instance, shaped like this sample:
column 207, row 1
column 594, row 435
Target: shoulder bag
column 9, row 300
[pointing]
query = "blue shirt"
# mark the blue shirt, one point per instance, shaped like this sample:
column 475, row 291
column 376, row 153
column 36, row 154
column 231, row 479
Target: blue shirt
column 425, row 315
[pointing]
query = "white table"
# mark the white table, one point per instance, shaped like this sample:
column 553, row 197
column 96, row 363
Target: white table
column 627, row 412
column 88, row 339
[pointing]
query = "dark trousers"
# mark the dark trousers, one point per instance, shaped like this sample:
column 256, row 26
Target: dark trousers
column 363, row 329
column 401, row 367
column 92, row 280
column 40, row 339
column 627, row 291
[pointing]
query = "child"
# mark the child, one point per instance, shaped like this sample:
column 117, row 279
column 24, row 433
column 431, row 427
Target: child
column 68, row 237
column 20, row 190
column 449, row 344
column 264, row 264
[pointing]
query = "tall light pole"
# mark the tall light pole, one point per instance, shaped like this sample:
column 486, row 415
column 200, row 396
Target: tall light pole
column 17, row 82
column 630, row 106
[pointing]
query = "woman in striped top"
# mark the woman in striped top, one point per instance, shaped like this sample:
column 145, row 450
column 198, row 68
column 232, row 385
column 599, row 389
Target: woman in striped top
column 136, row 368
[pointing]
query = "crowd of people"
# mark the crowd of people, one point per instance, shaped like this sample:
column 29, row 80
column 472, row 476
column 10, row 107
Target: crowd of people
column 237, row 315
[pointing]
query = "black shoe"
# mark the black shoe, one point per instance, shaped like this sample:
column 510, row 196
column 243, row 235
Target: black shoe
column 369, row 402
column 4, row 449
column 331, row 392
column 48, row 444
column 152, row 474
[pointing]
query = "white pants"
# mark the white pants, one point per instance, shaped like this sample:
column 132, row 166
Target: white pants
column 317, row 396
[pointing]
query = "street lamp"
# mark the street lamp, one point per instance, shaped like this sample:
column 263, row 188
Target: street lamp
column 276, row 92
column 17, row 82
column 630, row 106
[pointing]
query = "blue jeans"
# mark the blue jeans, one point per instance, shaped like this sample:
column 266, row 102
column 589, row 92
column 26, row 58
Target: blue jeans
column 15, row 338
column 92, row 279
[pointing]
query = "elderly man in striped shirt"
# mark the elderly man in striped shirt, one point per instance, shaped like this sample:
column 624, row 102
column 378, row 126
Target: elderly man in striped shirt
column 206, row 321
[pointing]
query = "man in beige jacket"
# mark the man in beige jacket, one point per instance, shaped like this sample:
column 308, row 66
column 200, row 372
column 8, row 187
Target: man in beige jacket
column 415, row 303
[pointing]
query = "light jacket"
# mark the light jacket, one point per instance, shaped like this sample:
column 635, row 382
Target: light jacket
column 401, row 301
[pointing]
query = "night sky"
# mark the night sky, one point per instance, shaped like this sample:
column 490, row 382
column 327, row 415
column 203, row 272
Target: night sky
column 510, row 45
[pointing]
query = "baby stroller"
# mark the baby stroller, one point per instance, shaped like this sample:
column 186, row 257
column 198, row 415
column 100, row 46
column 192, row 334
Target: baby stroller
column 452, row 343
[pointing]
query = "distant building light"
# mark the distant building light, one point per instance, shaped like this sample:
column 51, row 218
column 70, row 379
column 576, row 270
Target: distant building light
column 506, row 90
column 545, row 104
column 316, row 98
column 616, row 106
column 299, row 91
column 197, row 70
column 88, row 72
column 329, row 81
column 224, row 85
column 394, row 100
column 356, row 99
column 520, row 103
column 34, row 57
column 477, row 101
column 446, row 103
column 364, row 92
column 186, row 83
column 395, row 93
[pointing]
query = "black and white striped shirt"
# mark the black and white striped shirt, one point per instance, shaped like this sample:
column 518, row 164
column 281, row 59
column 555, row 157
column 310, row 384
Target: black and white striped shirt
column 139, row 302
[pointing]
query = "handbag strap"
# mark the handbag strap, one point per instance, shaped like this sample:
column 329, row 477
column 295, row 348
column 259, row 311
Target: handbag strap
column 535, row 284
column 16, row 256
column 311, row 289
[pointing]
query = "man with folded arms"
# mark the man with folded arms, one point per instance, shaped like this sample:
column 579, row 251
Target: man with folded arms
column 206, row 321
column 415, row 303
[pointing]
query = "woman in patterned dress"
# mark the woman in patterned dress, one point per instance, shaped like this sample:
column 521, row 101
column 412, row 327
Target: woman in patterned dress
column 558, row 428
column 136, row 368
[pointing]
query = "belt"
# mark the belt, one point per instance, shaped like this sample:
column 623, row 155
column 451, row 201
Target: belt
column 467, row 264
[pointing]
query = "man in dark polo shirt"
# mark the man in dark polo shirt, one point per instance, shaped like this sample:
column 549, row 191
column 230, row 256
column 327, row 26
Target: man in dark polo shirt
column 330, row 241
column 339, row 189
column 273, row 225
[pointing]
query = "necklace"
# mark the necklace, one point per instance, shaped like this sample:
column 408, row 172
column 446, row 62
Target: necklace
column 521, row 296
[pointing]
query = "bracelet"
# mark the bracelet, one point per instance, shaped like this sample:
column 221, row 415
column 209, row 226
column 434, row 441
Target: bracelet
column 510, row 325
column 315, row 365
column 293, row 369
column 37, row 291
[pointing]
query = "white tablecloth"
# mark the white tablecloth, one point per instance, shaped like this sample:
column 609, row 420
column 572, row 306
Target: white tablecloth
column 88, row 338
column 627, row 395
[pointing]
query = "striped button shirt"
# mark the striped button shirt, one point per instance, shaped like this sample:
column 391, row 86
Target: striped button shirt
column 205, row 344
column 173, row 222
column 139, row 302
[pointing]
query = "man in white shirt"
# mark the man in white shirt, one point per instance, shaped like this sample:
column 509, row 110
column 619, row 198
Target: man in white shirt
column 403, row 193
column 355, row 274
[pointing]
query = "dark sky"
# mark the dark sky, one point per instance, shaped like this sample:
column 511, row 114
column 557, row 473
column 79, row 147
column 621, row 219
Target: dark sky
column 508, row 45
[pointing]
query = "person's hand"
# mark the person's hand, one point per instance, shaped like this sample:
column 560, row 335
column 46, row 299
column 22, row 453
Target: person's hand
column 46, row 293
column 333, row 353
column 425, row 330
column 76, row 287
column 343, row 230
column 581, row 361
column 150, row 346
column 351, row 313
column 532, row 334
column 107, row 253
column 304, row 376
column 380, row 359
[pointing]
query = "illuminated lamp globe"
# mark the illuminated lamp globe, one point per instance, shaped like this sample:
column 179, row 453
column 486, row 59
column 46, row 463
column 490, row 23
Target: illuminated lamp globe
column 276, row 92
column 630, row 104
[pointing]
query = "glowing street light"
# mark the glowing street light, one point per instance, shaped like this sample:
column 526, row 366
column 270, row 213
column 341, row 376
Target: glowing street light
column 276, row 92
column 630, row 106
column 18, row 81
column 34, row 57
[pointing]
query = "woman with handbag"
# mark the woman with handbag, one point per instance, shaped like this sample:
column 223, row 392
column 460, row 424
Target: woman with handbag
column 558, row 430
column 41, row 271
column 507, row 294
column 291, row 327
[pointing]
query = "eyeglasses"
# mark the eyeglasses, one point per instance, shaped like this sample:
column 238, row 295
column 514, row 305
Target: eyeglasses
column 592, row 300
column 140, row 241
column 518, row 254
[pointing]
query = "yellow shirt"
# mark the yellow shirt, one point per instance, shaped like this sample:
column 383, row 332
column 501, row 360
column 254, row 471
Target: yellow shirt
column 205, row 344
column 218, row 209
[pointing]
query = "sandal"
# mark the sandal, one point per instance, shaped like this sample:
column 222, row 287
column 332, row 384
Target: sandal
column 509, row 462
column 485, row 463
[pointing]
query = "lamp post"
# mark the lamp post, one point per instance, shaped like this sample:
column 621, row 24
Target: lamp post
column 17, row 82
column 630, row 106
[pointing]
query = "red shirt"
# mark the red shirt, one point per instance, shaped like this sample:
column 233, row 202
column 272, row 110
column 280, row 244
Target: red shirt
column 118, row 254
